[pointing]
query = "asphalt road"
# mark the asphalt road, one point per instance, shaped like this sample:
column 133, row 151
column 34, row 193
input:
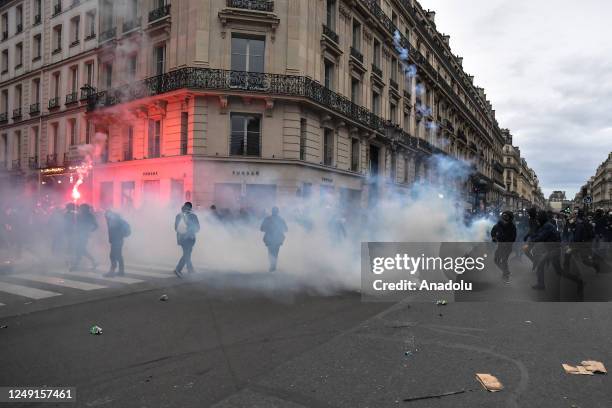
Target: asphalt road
column 246, row 345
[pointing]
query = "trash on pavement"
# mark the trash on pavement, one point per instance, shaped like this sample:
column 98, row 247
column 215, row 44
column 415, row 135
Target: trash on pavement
column 445, row 394
column 163, row 298
column 4, row 326
column 587, row 367
column 95, row 330
column 441, row 302
column 489, row 382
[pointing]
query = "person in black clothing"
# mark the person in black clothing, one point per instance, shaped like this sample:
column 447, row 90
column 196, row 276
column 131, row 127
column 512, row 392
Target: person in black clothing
column 504, row 233
column 274, row 228
column 544, row 251
column 85, row 224
column 118, row 230
column 186, row 225
column 532, row 227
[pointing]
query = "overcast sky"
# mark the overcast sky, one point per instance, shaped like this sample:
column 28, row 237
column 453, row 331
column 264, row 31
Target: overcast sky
column 546, row 65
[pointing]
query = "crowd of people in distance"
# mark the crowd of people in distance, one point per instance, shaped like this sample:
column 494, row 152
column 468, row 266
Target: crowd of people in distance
column 561, row 241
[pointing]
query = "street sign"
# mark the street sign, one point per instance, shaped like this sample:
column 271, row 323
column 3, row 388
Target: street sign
column 587, row 200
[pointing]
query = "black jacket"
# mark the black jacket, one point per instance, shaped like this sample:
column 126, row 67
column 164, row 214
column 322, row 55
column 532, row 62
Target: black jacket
column 118, row 229
column 503, row 232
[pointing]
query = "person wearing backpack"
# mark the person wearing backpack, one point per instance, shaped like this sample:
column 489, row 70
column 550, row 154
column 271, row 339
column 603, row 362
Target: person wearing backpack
column 118, row 230
column 274, row 229
column 186, row 225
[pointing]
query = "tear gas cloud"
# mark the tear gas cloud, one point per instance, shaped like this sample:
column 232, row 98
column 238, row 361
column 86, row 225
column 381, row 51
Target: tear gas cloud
column 317, row 255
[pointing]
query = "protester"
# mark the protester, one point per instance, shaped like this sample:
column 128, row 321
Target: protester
column 274, row 228
column 118, row 230
column 504, row 233
column 186, row 225
column 86, row 224
column 545, row 250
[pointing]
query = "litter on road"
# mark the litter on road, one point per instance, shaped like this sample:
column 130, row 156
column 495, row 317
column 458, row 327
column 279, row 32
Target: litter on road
column 489, row 382
column 95, row 330
column 442, row 302
column 445, row 394
column 163, row 298
column 587, row 367
column 4, row 326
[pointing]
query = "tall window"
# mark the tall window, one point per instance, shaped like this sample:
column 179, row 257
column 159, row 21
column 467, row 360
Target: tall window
column 132, row 10
column 355, row 90
column 128, row 144
column 106, row 15
column 5, row 61
column 331, row 14
column 34, row 144
column 18, row 55
column 5, row 101
column 88, row 126
column 394, row 69
column 328, row 147
column 107, row 70
column 375, row 102
column 57, row 38
column 37, row 42
column 74, row 79
column 56, row 84
column 392, row 112
column 159, row 58
column 75, row 28
column 303, row 137
column 89, row 70
column 132, row 63
column 38, row 9
column 36, row 90
column 19, row 18
column 54, row 145
column 18, row 97
column 154, row 138
column 376, row 53
column 329, row 74
column 184, row 132
column 72, row 128
column 355, row 151
column 356, row 35
column 248, row 54
column 245, row 134
column 91, row 24
column 5, row 26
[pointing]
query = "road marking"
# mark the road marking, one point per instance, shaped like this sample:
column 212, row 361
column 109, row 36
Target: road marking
column 53, row 280
column 25, row 291
column 150, row 274
column 2, row 304
column 158, row 268
column 93, row 275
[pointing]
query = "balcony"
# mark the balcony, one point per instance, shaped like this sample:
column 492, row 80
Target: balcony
column 51, row 160
column 108, row 34
column 256, row 5
column 3, row 117
column 56, row 51
column 54, row 103
column 159, row 13
column 265, row 84
column 18, row 28
column 57, row 8
column 17, row 114
column 18, row 66
column 407, row 95
column 75, row 43
column 4, row 35
column 331, row 34
column 393, row 84
column 33, row 163
column 37, row 19
column 87, row 91
column 356, row 54
column 34, row 109
column 377, row 71
column 36, row 58
column 90, row 36
column 72, row 98
column 131, row 25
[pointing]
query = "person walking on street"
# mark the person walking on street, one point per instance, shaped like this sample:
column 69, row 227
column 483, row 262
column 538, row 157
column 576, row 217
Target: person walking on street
column 274, row 229
column 186, row 225
column 118, row 230
column 504, row 233
column 85, row 224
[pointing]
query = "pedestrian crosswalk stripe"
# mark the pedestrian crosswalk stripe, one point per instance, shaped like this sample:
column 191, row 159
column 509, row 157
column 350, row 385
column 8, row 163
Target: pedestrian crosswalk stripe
column 132, row 271
column 25, row 291
column 92, row 275
column 158, row 268
column 53, row 280
column 2, row 304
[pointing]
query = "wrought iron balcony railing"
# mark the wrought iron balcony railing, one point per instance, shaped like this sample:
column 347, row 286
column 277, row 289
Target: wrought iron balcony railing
column 108, row 34
column 57, row 8
column 159, row 13
column 393, row 84
column 37, row 19
column 131, row 24
column 35, row 108
column 18, row 28
column 238, row 81
column 3, row 117
column 54, row 102
column 331, row 34
column 356, row 54
column 17, row 114
column 257, row 5
column 4, row 35
column 33, row 162
column 87, row 91
column 57, row 50
column 72, row 97
column 407, row 95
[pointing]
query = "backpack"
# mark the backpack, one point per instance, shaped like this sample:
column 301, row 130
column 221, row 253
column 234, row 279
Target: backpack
column 126, row 230
column 181, row 227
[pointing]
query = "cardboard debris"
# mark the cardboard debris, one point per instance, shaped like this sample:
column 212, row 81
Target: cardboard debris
column 489, row 382
column 587, row 367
